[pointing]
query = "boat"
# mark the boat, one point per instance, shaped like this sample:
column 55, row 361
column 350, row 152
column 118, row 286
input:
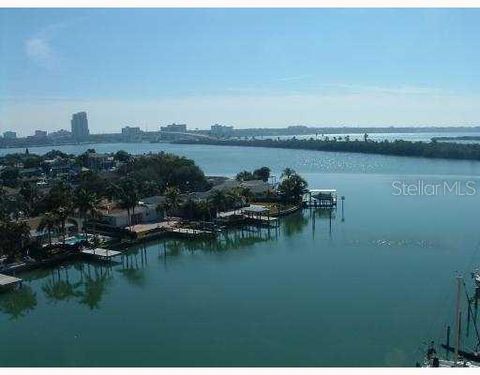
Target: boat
column 461, row 358
column 432, row 359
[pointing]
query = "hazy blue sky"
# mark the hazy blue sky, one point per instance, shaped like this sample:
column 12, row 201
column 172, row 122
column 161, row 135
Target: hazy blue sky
column 242, row 67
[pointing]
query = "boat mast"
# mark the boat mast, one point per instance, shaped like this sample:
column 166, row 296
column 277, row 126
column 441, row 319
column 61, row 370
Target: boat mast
column 457, row 319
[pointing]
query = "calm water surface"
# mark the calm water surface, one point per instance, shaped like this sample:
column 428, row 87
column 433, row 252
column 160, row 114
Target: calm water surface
column 365, row 288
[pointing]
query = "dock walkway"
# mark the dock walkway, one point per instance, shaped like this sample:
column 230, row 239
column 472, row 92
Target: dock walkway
column 102, row 254
column 188, row 232
column 8, row 281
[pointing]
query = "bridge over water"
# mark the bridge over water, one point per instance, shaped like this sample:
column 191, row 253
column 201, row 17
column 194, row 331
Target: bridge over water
column 187, row 135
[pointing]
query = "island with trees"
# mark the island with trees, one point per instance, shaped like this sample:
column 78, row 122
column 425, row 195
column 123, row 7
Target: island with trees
column 433, row 149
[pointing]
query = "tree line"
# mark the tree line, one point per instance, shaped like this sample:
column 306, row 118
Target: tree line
column 442, row 150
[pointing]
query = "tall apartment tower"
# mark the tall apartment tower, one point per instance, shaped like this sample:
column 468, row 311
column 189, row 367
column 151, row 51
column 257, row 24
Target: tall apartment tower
column 80, row 126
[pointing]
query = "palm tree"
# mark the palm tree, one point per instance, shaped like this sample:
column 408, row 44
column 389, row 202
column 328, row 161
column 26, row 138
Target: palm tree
column 218, row 201
column 126, row 193
column 232, row 197
column 87, row 203
column 246, row 194
column 172, row 196
column 287, row 173
column 49, row 222
column 62, row 214
column 293, row 188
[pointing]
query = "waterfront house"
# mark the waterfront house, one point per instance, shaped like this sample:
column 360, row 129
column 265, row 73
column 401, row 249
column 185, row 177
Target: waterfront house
column 144, row 213
column 259, row 188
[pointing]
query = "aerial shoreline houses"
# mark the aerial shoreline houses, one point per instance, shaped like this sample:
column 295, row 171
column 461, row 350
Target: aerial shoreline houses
column 54, row 205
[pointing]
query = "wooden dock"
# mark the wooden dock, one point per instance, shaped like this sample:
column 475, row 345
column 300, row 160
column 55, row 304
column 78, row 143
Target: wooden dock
column 9, row 281
column 320, row 198
column 102, row 254
column 191, row 233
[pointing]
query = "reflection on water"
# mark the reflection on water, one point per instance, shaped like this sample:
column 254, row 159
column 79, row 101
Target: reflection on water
column 58, row 289
column 83, row 283
column 18, row 302
column 296, row 223
column 86, row 283
column 95, row 286
column 133, row 265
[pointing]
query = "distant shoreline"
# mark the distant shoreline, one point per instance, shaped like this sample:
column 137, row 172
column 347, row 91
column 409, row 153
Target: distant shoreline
column 432, row 150
column 153, row 136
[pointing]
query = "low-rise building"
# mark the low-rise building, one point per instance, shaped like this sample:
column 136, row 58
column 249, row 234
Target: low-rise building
column 221, row 131
column 40, row 134
column 9, row 135
column 60, row 135
column 132, row 134
column 176, row 128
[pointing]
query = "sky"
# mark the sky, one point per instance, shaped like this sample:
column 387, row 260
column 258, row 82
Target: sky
column 240, row 67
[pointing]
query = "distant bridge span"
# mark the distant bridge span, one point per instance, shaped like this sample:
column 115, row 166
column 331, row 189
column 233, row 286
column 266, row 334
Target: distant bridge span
column 188, row 135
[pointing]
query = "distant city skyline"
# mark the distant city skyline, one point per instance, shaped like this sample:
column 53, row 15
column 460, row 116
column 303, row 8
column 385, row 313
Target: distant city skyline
column 243, row 67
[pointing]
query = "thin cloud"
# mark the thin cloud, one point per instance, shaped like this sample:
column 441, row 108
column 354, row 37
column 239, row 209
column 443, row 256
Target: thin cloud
column 394, row 90
column 39, row 50
column 39, row 47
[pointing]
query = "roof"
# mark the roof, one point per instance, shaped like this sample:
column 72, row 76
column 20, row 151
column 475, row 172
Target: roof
column 120, row 212
column 155, row 199
column 256, row 186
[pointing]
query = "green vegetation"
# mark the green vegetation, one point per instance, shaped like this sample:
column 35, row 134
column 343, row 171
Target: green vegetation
column 258, row 174
column 155, row 172
column 56, row 187
column 292, row 187
column 397, row 148
column 61, row 194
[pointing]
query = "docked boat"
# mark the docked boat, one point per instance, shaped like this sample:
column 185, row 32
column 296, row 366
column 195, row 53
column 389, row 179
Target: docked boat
column 461, row 358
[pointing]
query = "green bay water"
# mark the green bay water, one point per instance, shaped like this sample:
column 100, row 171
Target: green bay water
column 366, row 288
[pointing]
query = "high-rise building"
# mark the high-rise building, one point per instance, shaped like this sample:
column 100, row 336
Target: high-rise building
column 80, row 126
column 9, row 135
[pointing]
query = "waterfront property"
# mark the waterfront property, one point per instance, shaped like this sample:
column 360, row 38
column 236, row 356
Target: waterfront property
column 118, row 199
column 259, row 214
column 233, row 294
column 320, row 198
column 141, row 213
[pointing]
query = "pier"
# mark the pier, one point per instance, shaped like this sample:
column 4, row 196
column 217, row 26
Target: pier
column 101, row 254
column 191, row 233
column 320, row 198
column 9, row 281
column 259, row 214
